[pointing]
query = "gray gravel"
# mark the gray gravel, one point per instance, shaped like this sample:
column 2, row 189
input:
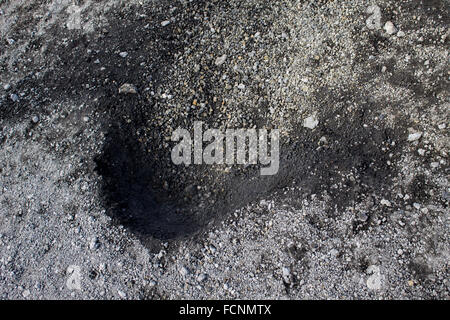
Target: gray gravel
column 90, row 92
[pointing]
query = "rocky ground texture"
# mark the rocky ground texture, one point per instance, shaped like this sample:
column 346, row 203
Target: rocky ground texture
column 91, row 206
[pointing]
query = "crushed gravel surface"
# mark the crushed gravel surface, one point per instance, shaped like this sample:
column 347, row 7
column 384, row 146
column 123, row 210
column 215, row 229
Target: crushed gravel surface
column 92, row 207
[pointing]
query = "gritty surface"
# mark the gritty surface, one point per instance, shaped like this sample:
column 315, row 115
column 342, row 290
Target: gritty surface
column 93, row 208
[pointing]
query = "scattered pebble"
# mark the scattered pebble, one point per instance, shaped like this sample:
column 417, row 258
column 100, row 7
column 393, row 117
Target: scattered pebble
column 165, row 23
column 26, row 293
column 446, row 195
column 434, row 165
column 286, row 272
column 11, row 41
column 385, row 202
column 373, row 22
column 128, row 88
column 74, row 280
column 220, row 60
column 123, row 54
column 311, row 122
column 334, row 252
column 362, row 216
column 184, row 271
column 374, row 280
column 202, row 277
column 121, row 294
column 414, row 136
column 35, row 119
column 102, row 267
column 14, row 97
column 390, row 28
column 7, row 86
column 421, row 152
column 94, row 243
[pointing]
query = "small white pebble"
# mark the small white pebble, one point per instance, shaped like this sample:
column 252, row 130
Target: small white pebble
column 201, row 277
column 414, row 136
column 128, row 88
column 14, row 97
column 122, row 294
column 74, row 280
column 373, row 22
column 390, row 28
column 434, row 165
column 311, row 122
column 26, row 293
column 220, row 60
column 184, row 271
column 286, row 274
column 94, row 244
